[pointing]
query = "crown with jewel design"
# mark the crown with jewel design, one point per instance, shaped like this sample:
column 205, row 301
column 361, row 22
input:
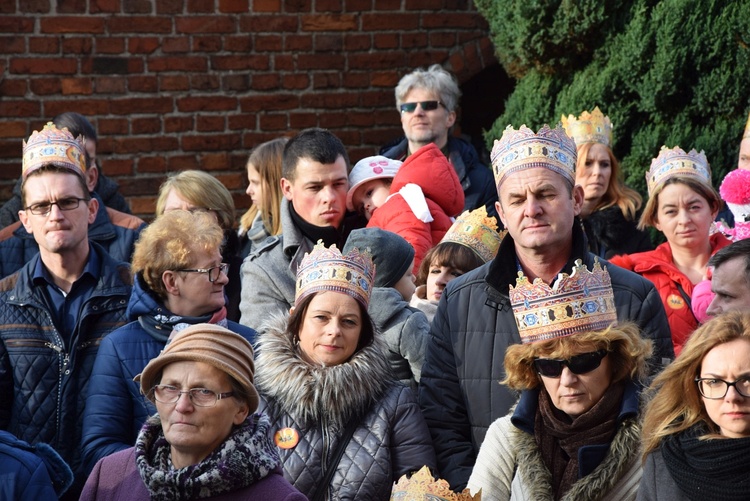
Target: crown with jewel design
column 746, row 134
column 523, row 149
column 592, row 127
column 53, row 146
column 326, row 269
column 477, row 231
column 580, row 302
column 421, row 485
column 674, row 162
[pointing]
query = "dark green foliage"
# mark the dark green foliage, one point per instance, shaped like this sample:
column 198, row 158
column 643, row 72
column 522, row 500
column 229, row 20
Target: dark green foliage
column 675, row 72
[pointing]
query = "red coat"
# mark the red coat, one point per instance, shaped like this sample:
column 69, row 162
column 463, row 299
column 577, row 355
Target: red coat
column 674, row 287
column 428, row 168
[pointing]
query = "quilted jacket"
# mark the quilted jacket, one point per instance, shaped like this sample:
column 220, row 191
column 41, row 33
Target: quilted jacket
column 459, row 391
column 674, row 287
column 317, row 402
column 43, row 381
column 115, row 231
column 428, row 168
column 115, row 409
column 476, row 179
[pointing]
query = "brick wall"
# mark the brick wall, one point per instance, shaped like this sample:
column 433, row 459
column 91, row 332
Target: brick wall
column 182, row 84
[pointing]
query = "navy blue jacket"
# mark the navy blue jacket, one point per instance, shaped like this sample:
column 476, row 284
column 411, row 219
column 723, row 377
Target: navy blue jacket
column 115, row 408
column 115, row 231
column 43, row 380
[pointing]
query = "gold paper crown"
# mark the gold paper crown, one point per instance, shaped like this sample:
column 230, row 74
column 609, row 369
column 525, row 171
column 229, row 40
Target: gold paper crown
column 675, row 162
column 580, row 302
column 522, row 149
column 746, row 134
column 591, row 127
column 326, row 269
column 421, row 486
column 53, row 146
column 475, row 230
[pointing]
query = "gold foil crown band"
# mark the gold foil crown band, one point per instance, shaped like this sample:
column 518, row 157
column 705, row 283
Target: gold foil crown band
column 674, row 162
column 477, row 231
column 53, row 146
column 326, row 269
column 592, row 127
column 523, row 149
column 580, row 302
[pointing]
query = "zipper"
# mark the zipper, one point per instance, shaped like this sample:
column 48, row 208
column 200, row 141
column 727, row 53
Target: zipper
column 32, row 343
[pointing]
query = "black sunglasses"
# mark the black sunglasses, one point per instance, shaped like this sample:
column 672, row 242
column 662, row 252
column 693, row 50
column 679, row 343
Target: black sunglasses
column 579, row 364
column 426, row 106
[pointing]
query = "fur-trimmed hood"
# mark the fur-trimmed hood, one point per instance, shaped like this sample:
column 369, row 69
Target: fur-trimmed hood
column 313, row 393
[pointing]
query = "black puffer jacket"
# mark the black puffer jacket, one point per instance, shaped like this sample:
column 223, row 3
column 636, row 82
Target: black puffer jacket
column 459, row 391
column 317, row 402
column 610, row 234
column 43, row 380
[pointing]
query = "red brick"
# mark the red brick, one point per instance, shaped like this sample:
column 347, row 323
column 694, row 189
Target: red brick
column 71, row 6
column 376, row 98
column 329, row 5
column 205, row 24
column 269, row 24
column 329, row 22
column 169, row 6
column 328, row 43
column 294, row 43
column 11, row 148
column 190, row 64
column 44, row 45
column 118, row 166
column 211, row 142
column 206, row 103
column 234, row 6
column 178, row 124
column 452, row 20
column 361, row 119
column 43, row 65
column 140, row 24
column 386, row 40
column 151, row 125
column 238, row 82
column 13, row 87
column 143, row 45
column 112, row 126
column 442, row 39
column 138, row 83
column 375, row 136
column 295, row 81
column 77, row 45
column 431, row 5
column 395, row 22
column 321, row 61
column 267, row 81
column 269, row 102
column 356, row 41
column 413, row 40
column 326, row 80
column 141, row 206
column 271, row 43
column 141, row 185
column 298, row 5
column 110, row 45
column 199, row 6
column 420, row 58
column 327, row 100
column 139, row 144
column 13, row 129
column 384, row 78
column 210, row 123
column 303, row 120
column 240, row 43
column 396, row 5
column 104, row 6
column 332, row 120
column 246, row 62
column 356, row 80
column 68, row 24
column 266, row 6
column 357, row 5
column 12, row 45
column 284, row 62
column 206, row 44
column 273, row 122
column 82, row 86
column 94, row 107
column 377, row 60
column 205, row 82
column 175, row 44
column 16, row 24
column 152, row 164
column 241, row 122
column 141, row 105
column 110, row 85
column 215, row 161
column 137, row 7
column 36, row 6
column 456, row 63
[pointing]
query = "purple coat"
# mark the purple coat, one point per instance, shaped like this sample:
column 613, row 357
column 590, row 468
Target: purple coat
column 116, row 478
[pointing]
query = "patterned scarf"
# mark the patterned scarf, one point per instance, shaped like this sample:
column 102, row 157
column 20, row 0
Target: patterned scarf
column 161, row 326
column 246, row 456
column 708, row 469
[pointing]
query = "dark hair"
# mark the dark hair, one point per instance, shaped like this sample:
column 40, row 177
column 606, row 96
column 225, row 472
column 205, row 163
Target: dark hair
column 76, row 124
column 366, row 335
column 741, row 248
column 319, row 145
column 54, row 169
column 449, row 254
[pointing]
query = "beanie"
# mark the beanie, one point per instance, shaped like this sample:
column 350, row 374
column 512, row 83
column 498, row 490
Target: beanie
column 391, row 254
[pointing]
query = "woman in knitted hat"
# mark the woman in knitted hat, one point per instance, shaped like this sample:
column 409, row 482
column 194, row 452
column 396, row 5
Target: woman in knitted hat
column 206, row 442
column 682, row 204
column 696, row 429
column 609, row 206
column 344, row 427
column 179, row 280
column 574, row 433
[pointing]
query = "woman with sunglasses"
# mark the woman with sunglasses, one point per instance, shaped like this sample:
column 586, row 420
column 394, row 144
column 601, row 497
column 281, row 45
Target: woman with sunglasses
column 179, row 280
column 574, row 433
column 696, row 429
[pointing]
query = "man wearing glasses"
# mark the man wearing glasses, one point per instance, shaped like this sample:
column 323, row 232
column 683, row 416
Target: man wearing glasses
column 427, row 102
column 57, row 308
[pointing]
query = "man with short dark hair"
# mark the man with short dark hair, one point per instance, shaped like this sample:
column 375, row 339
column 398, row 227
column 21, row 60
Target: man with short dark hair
column 730, row 281
column 314, row 183
column 56, row 309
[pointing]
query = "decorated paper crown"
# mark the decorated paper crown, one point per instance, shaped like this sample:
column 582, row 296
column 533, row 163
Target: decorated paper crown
column 522, row 149
column 591, row 127
column 326, row 269
column 746, row 134
column 53, row 146
column 580, row 302
column 422, row 486
column 475, row 230
column 674, row 162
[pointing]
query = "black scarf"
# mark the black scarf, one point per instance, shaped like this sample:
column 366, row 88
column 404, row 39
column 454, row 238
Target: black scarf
column 245, row 457
column 708, row 469
column 328, row 234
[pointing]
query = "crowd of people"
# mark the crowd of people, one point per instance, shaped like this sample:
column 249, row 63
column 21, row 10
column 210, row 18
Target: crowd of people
column 510, row 327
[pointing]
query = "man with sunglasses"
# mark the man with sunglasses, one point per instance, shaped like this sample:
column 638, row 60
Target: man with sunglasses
column 56, row 309
column 427, row 102
column 539, row 204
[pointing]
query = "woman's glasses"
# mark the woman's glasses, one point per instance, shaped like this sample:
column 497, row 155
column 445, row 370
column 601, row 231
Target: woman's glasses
column 578, row 364
column 202, row 397
column 213, row 273
column 714, row 388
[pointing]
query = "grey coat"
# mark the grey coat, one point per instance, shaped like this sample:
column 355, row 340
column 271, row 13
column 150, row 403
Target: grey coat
column 404, row 329
column 269, row 272
column 657, row 483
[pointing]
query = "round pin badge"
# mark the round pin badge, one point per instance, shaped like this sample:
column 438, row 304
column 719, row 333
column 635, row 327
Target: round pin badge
column 286, row 438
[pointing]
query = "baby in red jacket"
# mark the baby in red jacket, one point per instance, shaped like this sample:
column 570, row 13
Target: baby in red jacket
column 416, row 199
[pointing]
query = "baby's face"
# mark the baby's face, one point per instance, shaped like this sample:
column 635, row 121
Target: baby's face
column 370, row 196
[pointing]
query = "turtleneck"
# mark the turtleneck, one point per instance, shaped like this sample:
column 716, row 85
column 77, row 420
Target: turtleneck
column 328, row 234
